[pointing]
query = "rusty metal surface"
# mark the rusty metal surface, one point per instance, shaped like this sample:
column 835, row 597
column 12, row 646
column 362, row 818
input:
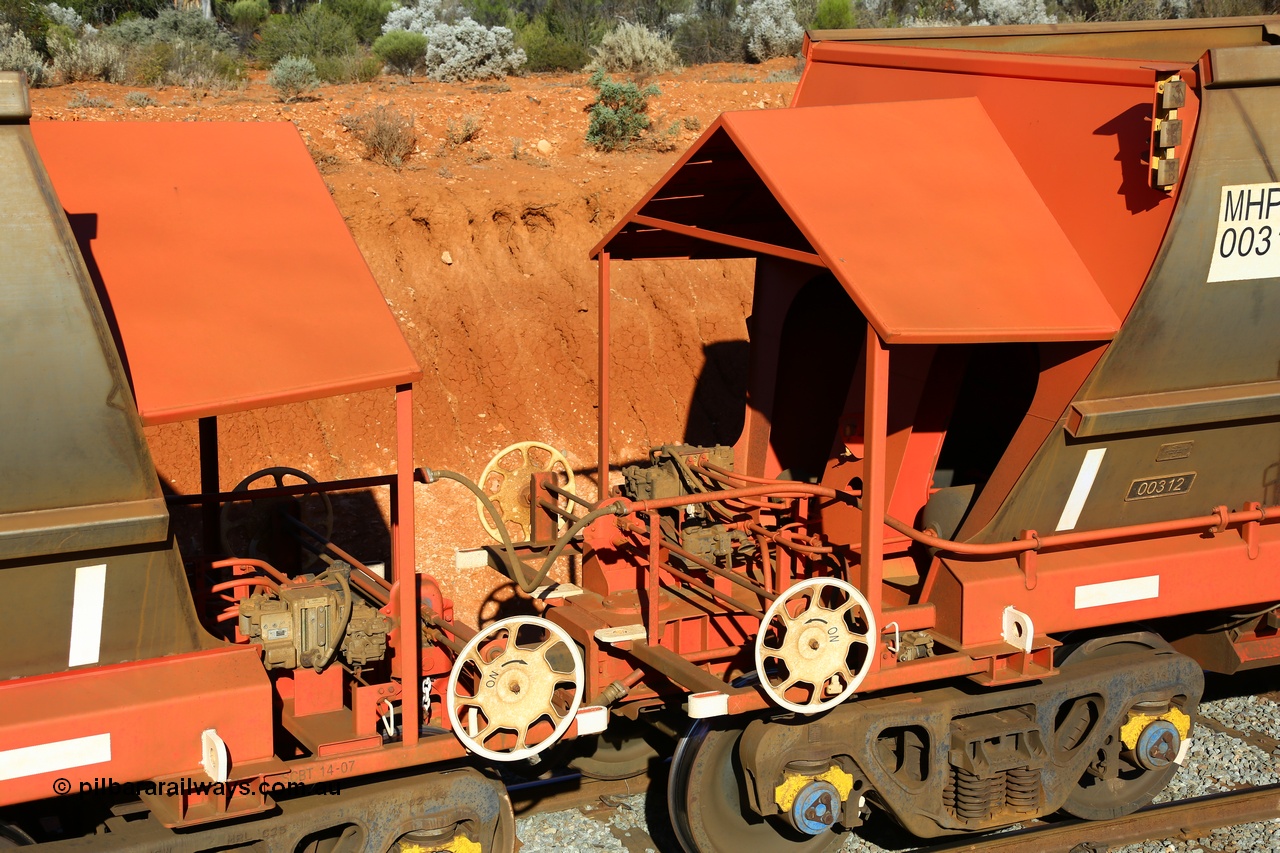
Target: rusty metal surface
column 1186, row 337
column 214, row 317
column 15, row 103
column 69, row 428
column 1243, row 67
column 910, row 780
column 908, row 234
column 64, row 530
column 146, row 610
column 1183, row 41
column 460, row 801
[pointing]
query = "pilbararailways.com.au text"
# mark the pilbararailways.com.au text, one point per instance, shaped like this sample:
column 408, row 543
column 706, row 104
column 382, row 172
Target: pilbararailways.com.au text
column 184, row 787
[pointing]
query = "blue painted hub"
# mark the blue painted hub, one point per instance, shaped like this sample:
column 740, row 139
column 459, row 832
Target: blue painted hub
column 1158, row 744
column 816, row 808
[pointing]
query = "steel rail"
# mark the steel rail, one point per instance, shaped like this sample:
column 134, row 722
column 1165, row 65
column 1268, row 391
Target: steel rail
column 1183, row 819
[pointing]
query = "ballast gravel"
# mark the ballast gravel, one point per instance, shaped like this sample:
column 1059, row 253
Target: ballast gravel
column 1236, row 744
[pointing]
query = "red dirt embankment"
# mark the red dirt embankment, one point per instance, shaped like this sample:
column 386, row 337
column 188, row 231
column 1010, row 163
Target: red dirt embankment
column 481, row 251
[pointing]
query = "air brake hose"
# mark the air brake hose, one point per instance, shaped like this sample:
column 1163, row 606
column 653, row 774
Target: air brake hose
column 516, row 566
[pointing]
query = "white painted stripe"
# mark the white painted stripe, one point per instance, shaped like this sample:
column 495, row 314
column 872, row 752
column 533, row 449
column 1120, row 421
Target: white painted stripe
column 1080, row 491
column 52, row 757
column 86, row 615
column 1117, row 592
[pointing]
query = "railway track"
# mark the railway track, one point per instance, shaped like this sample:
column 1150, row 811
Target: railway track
column 1185, row 819
column 1234, row 732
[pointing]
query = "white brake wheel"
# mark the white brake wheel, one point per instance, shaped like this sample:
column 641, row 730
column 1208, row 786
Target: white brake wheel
column 505, row 480
column 511, row 682
column 807, row 639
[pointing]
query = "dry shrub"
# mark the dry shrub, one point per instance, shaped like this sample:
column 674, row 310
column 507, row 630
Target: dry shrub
column 387, row 135
column 457, row 134
column 84, row 101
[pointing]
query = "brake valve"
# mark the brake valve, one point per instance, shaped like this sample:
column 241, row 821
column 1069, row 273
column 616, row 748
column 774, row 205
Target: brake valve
column 310, row 619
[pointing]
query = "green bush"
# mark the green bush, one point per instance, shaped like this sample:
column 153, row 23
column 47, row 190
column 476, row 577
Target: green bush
column 365, row 17
column 491, row 13
column 292, row 77
column 89, row 58
column 148, row 65
column 315, row 33
column 401, row 50
column 141, row 100
column 101, row 12
column 26, row 18
column 635, row 49
column 171, row 27
column 199, row 66
column 709, row 37
column 619, row 115
column 545, row 51
column 833, row 15
column 348, row 68
column 246, row 16
column 17, row 54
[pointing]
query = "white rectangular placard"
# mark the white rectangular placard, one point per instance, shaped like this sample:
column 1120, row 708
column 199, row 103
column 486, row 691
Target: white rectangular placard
column 1117, row 592
column 52, row 757
column 1247, row 245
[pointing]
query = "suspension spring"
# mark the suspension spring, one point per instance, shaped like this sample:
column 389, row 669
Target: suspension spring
column 1022, row 789
column 977, row 799
column 949, row 793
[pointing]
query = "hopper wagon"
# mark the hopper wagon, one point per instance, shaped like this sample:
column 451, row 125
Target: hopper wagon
column 1006, row 484
column 261, row 688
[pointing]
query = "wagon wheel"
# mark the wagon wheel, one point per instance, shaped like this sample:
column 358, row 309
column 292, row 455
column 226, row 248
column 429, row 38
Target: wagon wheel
column 250, row 531
column 816, row 635
column 506, row 481
column 514, row 688
column 708, row 807
column 1131, row 784
column 12, row 836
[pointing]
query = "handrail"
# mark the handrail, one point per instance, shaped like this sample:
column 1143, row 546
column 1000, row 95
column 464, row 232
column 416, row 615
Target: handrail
column 1219, row 520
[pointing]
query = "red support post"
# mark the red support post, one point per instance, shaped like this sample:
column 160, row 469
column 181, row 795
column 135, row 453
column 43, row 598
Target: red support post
column 653, row 628
column 405, row 567
column 874, row 431
column 602, row 374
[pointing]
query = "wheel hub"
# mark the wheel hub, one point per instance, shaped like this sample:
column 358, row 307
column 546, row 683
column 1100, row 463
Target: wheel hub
column 1157, row 745
column 816, row 808
column 1155, row 741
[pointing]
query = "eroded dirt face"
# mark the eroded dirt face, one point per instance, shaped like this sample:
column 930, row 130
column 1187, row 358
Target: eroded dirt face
column 505, row 325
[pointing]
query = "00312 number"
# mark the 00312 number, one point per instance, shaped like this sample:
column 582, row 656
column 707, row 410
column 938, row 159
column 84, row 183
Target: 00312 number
column 1160, row 487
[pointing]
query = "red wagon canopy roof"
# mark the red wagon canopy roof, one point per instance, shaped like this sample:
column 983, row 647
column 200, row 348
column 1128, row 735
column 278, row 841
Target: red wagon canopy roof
column 918, row 208
column 233, row 280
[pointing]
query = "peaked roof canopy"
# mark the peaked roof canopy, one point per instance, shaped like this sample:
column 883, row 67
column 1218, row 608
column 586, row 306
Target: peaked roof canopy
column 918, row 208
column 233, row 280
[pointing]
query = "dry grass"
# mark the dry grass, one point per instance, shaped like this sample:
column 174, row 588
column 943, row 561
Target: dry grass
column 387, row 135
